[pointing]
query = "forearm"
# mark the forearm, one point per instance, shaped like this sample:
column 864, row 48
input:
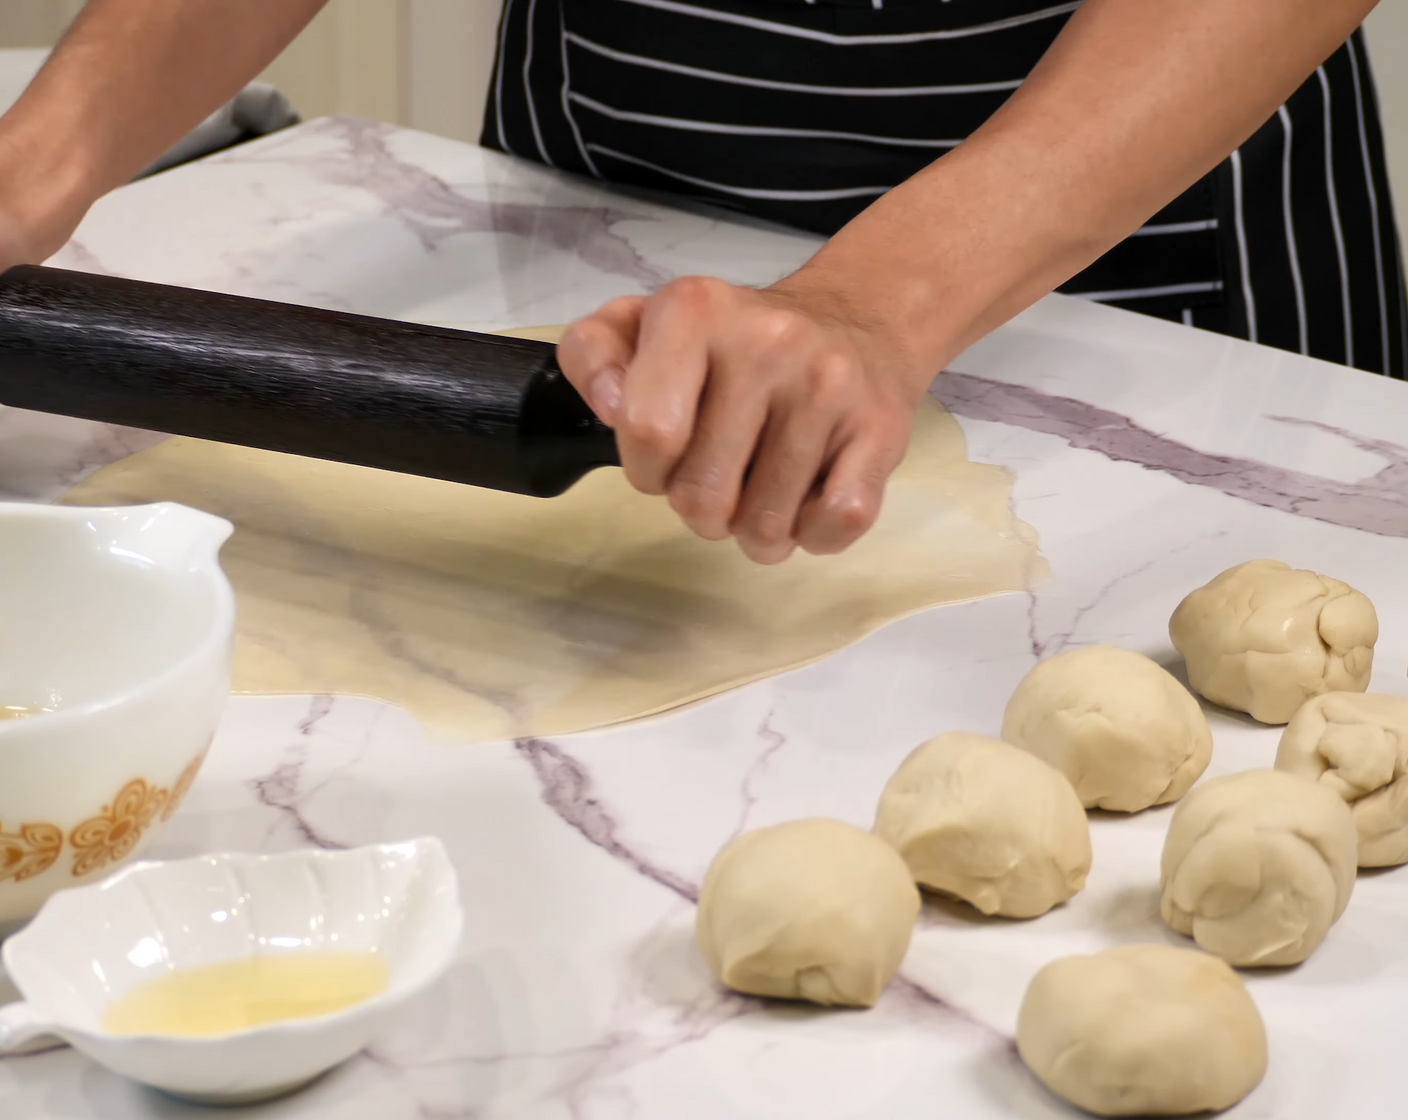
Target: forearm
column 128, row 81
column 1132, row 105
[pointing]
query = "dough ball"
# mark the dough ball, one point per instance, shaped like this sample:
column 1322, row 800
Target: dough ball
column 1121, row 728
column 1143, row 1030
column 988, row 823
column 1356, row 744
column 811, row 909
column 1257, row 866
column 1263, row 638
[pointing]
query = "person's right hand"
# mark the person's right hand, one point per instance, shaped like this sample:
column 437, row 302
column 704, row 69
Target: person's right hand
column 771, row 416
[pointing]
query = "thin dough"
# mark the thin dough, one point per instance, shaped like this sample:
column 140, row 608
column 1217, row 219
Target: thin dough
column 494, row 615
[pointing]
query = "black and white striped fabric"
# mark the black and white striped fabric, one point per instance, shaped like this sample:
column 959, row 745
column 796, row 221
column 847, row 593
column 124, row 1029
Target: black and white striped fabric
column 806, row 111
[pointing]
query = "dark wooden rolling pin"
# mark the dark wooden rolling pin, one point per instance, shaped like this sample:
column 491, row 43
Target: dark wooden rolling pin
column 478, row 409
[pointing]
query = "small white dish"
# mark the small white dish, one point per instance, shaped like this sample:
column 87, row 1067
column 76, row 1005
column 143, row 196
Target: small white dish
column 117, row 638
column 90, row 946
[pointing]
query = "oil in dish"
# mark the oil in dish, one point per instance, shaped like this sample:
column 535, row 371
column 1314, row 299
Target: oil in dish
column 17, row 711
column 250, row 992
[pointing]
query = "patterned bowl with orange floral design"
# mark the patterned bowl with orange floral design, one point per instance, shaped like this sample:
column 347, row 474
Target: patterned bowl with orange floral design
column 115, row 655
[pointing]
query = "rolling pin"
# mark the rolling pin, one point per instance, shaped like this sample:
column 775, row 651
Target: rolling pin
column 472, row 408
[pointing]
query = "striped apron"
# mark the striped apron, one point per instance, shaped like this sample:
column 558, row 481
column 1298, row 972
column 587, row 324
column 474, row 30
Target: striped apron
column 805, row 111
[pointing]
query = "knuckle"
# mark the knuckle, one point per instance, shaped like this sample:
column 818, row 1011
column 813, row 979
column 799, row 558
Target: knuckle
column 694, row 293
column 696, row 487
column 577, row 332
column 831, row 377
column 655, row 435
column 852, row 514
column 779, row 328
column 702, row 505
column 581, row 343
column 768, row 530
column 621, row 306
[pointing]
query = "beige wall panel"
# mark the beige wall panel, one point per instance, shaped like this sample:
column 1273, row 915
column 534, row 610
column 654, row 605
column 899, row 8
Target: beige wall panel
column 35, row 23
column 348, row 60
column 450, row 57
column 1387, row 33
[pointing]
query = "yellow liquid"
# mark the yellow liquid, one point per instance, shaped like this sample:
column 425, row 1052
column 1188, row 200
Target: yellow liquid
column 14, row 712
column 235, row 995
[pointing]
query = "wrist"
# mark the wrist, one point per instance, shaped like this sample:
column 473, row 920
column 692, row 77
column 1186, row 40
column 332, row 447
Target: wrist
column 951, row 254
column 837, row 291
column 909, row 273
column 45, row 190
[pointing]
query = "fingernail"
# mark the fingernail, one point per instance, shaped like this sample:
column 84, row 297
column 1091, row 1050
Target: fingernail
column 771, row 556
column 605, row 393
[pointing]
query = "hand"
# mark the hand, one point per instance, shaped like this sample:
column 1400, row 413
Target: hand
column 772, row 416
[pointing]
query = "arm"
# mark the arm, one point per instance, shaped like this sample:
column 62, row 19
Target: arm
column 129, row 79
column 1132, row 105
column 813, row 381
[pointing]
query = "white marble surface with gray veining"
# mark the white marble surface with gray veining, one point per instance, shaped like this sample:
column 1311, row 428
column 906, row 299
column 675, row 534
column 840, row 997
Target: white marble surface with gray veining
column 1148, row 455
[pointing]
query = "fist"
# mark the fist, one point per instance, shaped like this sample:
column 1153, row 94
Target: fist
column 759, row 414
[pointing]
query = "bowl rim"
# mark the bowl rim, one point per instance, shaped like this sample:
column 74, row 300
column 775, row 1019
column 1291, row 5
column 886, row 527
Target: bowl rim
column 389, row 996
column 219, row 634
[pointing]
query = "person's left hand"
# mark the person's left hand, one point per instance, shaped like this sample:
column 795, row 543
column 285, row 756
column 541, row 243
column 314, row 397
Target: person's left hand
column 772, row 415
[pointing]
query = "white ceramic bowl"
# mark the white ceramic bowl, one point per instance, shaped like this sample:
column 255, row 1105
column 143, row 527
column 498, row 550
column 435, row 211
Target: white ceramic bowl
column 89, row 947
column 122, row 623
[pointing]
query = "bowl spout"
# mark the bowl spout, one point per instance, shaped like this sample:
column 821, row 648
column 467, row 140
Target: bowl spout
column 166, row 534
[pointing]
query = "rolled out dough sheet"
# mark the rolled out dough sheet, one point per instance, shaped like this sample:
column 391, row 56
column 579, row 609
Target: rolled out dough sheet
column 492, row 615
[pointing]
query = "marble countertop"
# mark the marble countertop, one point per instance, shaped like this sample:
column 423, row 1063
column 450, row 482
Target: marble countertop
column 1149, row 456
